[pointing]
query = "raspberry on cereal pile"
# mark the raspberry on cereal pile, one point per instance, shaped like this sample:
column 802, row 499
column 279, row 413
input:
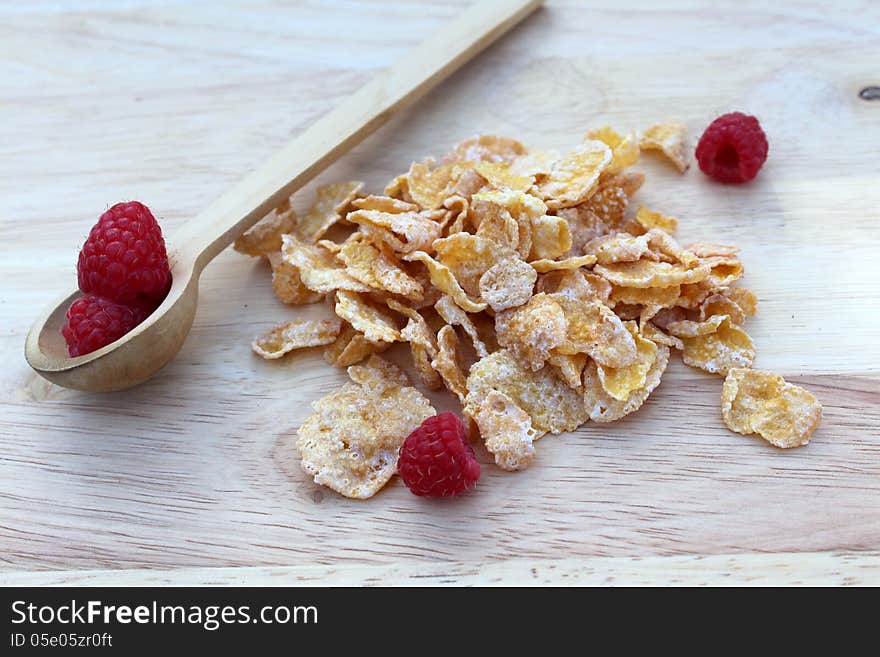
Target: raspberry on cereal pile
column 436, row 459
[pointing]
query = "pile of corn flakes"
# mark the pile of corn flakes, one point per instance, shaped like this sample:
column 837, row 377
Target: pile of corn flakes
column 526, row 284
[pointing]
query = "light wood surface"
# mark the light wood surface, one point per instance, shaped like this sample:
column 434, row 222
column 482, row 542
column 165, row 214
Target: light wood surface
column 172, row 102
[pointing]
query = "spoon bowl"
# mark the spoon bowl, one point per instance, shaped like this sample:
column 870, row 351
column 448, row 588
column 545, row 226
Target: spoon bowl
column 130, row 360
column 139, row 354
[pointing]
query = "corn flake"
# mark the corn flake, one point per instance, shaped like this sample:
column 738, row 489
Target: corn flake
column 594, row 329
column 668, row 138
column 551, row 237
column 427, row 186
column 570, row 367
column 763, row 403
column 376, row 324
column 620, row 382
column 296, row 334
column 602, row 407
column 531, row 331
column 265, row 238
column 446, row 363
column 543, row 266
column 329, row 207
column 486, row 148
column 351, row 347
column 499, row 176
column 550, row 403
column 373, row 267
column 404, row 232
column 717, row 352
column 507, row 431
column 647, row 273
column 507, row 284
column 317, row 267
column 624, row 148
column 287, row 284
column 574, row 176
column 453, row 315
column 468, row 257
column 350, row 442
column 650, row 219
column 443, row 279
column 384, row 204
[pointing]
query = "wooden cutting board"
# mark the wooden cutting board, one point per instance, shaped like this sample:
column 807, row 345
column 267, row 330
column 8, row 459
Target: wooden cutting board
column 196, row 470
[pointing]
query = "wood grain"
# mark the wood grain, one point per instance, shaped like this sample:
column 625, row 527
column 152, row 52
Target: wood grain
column 172, row 102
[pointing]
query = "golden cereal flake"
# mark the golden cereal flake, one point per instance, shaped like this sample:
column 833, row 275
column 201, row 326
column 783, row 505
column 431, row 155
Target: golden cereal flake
column 331, row 202
column 624, row 148
column 265, row 238
column 570, row 367
column 669, row 138
column 443, row 279
column 594, row 329
column 650, row 219
column 486, row 148
column 373, row 267
column 384, row 204
column 763, row 403
column 507, row 431
column 717, row 352
column 532, row 330
column 620, row 382
column 499, row 176
column 296, row 334
column 350, row 442
column 602, row 407
column 447, row 363
column 453, row 315
column 543, row 266
column 551, row 404
column 507, row 284
column 351, row 347
column 468, row 257
column 551, row 237
column 317, row 267
column 648, row 273
column 574, row 176
column 367, row 318
column 404, row 232
column 287, row 284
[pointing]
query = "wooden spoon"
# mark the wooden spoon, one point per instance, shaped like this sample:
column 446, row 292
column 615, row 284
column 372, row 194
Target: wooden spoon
column 139, row 354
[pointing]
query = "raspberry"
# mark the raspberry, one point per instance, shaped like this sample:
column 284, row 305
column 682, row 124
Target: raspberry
column 93, row 322
column 124, row 255
column 733, row 148
column 436, row 459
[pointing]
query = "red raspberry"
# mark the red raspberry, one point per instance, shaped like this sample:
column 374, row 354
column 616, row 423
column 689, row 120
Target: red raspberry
column 436, row 459
column 124, row 255
column 93, row 322
column 733, row 148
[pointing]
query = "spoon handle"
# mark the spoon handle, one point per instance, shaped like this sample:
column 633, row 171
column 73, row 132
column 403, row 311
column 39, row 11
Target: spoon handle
column 422, row 69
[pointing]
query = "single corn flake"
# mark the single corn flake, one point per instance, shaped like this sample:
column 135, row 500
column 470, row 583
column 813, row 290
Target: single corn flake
column 574, row 176
column 618, row 247
column 648, row 273
column 404, row 232
column 265, row 237
column 507, row 431
column 662, row 297
column 650, row 219
column 331, row 202
column 501, row 228
column 594, row 329
column 443, row 279
column 384, row 204
column 744, row 298
column 531, row 331
column 350, row 442
column 399, row 188
column 296, row 334
column 577, row 284
column 287, row 284
column 446, row 363
column 499, row 176
column 687, row 328
column 570, row 367
column 551, row 237
column 507, row 284
column 536, row 164
column 620, row 382
column 717, row 352
column 422, row 342
column 706, row 250
column 453, row 315
column 602, row 407
column 427, row 185
column 468, row 257
column 550, row 403
column 668, row 138
column 317, row 267
column 720, row 304
column 351, row 347
column 543, row 266
column 650, row 331
column 372, row 266
column 486, row 148
column 763, row 403
column 624, row 148
column 376, row 324
column 723, row 270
